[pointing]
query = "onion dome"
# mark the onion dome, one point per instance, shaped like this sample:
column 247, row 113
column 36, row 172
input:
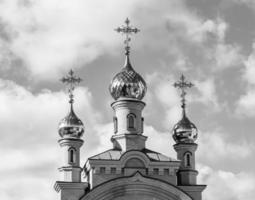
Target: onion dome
column 128, row 83
column 71, row 126
column 185, row 131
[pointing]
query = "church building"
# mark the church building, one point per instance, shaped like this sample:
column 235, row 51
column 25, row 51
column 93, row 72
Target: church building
column 129, row 170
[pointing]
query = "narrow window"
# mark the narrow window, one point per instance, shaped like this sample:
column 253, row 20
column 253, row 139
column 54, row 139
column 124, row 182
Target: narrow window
column 71, row 155
column 102, row 170
column 113, row 170
column 188, row 160
column 155, row 171
column 131, row 121
column 115, row 122
column 166, row 171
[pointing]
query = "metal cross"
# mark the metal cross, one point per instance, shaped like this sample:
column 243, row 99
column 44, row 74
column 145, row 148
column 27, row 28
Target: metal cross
column 183, row 85
column 127, row 30
column 71, row 80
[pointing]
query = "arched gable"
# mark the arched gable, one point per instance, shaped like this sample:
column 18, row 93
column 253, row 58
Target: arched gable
column 134, row 155
column 136, row 187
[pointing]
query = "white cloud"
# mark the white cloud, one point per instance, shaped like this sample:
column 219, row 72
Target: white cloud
column 26, row 188
column 162, row 93
column 227, row 55
column 37, row 115
column 52, row 35
column 159, row 141
column 207, row 94
column 29, row 137
column 227, row 185
column 49, row 36
column 216, row 147
column 249, row 72
column 246, row 104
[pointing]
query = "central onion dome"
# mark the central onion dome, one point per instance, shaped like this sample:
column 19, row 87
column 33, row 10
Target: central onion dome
column 128, row 83
column 185, row 131
column 71, row 126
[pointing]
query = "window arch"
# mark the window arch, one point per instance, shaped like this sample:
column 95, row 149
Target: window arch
column 71, row 155
column 131, row 121
column 187, row 159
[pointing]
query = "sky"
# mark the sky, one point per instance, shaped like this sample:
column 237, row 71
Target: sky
column 211, row 42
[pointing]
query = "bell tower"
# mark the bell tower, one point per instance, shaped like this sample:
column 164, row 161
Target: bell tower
column 70, row 130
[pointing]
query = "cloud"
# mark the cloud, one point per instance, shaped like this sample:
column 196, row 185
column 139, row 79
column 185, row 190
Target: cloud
column 222, row 148
column 227, row 55
column 246, row 104
column 29, row 137
column 27, row 187
column 46, row 37
column 207, row 94
column 249, row 72
column 193, row 27
column 226, row 185
column 52, row 35
column 37, row 115
column 167, row 98
column 159, row 141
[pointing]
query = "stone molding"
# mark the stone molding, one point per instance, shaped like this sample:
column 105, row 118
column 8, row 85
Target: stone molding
column 138, row 184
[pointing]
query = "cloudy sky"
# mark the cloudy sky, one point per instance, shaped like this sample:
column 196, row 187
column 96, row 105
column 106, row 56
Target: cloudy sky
column 211, row 42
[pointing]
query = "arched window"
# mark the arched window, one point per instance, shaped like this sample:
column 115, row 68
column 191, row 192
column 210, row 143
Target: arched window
column 187, row 158
column 71, row 155
column 115, row 122
column 131, row 121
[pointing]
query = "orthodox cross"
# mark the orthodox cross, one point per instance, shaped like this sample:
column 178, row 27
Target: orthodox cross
column 127, row 30
column 183, row 85
column 71, row 80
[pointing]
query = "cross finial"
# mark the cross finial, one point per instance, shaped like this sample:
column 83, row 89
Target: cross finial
column 71, row 80
column 127, row 30
column 183, row 85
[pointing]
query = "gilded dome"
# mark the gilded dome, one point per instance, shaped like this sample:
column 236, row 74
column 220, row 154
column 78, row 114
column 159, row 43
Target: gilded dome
column 71, row 126
column 185, row 131
column 128, row 83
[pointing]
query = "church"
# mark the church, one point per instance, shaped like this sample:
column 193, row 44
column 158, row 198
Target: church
column 129, row 170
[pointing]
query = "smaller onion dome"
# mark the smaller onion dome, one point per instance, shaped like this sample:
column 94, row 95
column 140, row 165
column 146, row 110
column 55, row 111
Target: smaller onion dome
column 71, row 126
column 185, row 131
column 128, row 83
